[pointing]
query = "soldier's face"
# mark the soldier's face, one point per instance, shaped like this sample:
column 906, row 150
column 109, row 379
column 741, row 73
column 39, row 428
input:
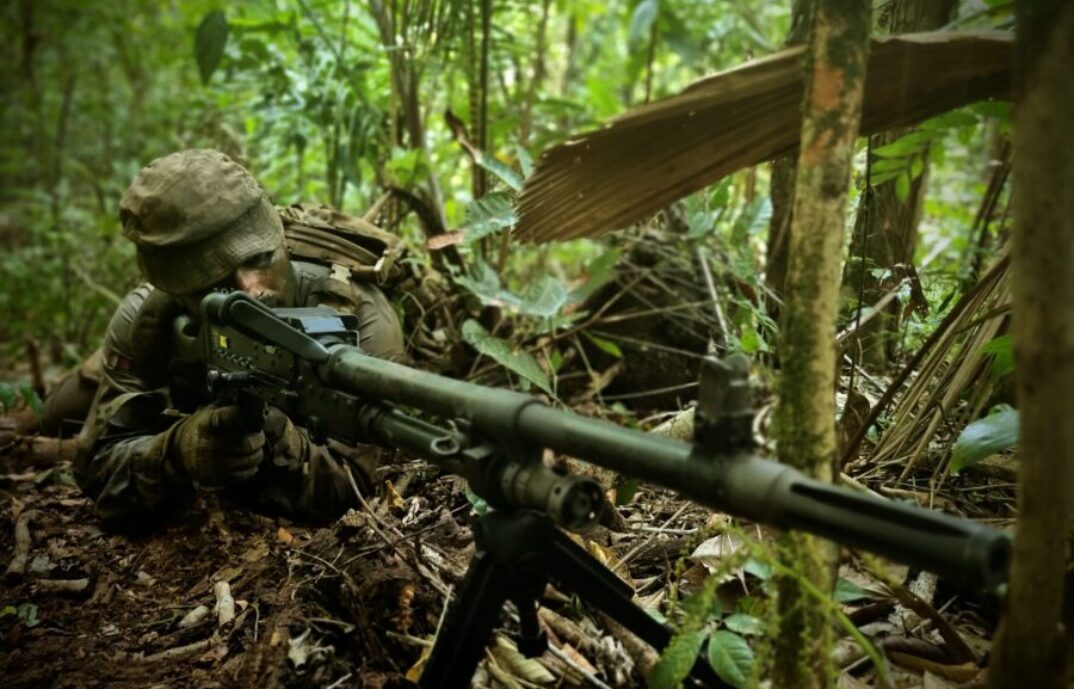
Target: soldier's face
column 265, row 277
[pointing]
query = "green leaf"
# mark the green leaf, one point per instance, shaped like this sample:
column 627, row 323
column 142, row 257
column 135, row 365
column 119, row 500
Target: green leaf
column 951, row 120
column 751, row 220
column 985, row 437
column 677, row 660
column 902, row 187
column 503, row 172
column 606, row 346
column 847, row 591
column 524, row 161
column 761, row 570
column 555, row 360
column 903, row 146
column 500, row 350
column 28, row 615
column 642, row 20
column 744, row 624
column 750, row 341
column 731, row 657
column 544, row 298
column 484, row 283
column 490, row 214
column 210, row 39
column 917, row 167
column 887, row 165
column 1002, row 351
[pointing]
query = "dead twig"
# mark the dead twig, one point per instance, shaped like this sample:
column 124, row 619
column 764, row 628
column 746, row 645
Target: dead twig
column 17, row 567
column 179, row 652
column 62, row 586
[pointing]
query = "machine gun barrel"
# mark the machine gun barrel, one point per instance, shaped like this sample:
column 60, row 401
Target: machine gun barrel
column 741, row 484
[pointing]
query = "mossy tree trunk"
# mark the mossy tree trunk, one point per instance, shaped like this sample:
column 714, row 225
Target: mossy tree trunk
column 887, row 224
column 805, row 429
column 781, row 188
column 1031, row 649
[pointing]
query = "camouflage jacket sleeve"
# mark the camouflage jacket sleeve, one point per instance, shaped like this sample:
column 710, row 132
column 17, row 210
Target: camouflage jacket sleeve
column 122, row 462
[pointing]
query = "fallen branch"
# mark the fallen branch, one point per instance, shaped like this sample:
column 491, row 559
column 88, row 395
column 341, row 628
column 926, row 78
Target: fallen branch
column 179, row 652
column 17, row 567
column 62, row 586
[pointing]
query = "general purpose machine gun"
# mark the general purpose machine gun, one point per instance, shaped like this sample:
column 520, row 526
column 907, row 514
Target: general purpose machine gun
column 308, row 363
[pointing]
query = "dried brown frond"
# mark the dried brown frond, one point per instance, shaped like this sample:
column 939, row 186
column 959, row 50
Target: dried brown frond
column 655, row 154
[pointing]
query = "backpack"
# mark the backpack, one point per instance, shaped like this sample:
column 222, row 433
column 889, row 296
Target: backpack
column 347, row 244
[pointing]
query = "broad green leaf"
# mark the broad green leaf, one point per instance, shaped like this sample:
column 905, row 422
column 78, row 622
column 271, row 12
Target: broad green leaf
column 847, row 591
column 985, row 437
column 675, row 663
column 901, row 147
column 500, row 350
column 902, row 187
column 744, row 624
column 555, row 360
column 750, row 341
column 731, row 657
column 641, row 23
column 887, row 165
column 544, row 297
column 998, row 109
column 751, row 220
column 503, row 172
column 606, row 346
column 490, row 214
column 484, row 283
column 524, row 161
column 7, row 397
column 917, row 167
column 210, row 39
column 1002, row 351
column 951, row 120
column 761, row 570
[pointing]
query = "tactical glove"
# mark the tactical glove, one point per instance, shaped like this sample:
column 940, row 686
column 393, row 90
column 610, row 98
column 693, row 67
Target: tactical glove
column 215, row 447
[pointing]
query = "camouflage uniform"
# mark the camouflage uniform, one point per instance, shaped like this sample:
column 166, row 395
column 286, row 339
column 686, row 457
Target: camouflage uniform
column 127, row 458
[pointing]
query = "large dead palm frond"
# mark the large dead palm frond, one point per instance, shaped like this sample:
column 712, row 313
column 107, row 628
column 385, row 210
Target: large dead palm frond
column 662, row 151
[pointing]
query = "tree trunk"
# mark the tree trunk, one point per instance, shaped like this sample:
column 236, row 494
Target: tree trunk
column 1030, row 650
column 781, row 189
column 885, row 230
column 805, row 429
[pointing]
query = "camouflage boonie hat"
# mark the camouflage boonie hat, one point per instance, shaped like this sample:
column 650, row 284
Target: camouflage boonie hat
column 195, row 216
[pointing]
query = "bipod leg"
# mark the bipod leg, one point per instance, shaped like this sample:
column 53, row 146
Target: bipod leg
column 507, row 565
column 573, row 568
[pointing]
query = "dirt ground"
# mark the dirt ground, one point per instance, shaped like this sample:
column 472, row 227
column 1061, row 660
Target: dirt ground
column 358, row 603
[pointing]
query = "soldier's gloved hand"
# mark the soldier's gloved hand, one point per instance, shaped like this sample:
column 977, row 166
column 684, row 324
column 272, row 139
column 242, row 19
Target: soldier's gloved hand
column 287, row 443
column 215, row 447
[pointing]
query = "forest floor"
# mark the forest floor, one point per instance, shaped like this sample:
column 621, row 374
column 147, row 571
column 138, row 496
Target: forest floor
column 356, row 604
